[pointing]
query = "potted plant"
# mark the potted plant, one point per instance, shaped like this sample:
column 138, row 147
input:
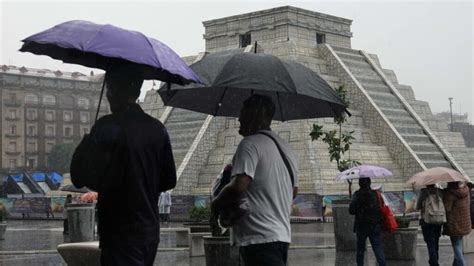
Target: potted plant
column 217, row 248
column 339, row 142
column 401, row 244
column 199, row 216
column 3, row 220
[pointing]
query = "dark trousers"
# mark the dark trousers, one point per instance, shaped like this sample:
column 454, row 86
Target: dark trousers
column 431, row 235
column 128, row 255
column 267, row 254
column 373, row 232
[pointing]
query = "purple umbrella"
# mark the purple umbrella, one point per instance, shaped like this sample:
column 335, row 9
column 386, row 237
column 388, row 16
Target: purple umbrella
column 98, row 46
column 101, row 46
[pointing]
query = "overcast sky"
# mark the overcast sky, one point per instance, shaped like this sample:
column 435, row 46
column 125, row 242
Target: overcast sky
column 428, row 43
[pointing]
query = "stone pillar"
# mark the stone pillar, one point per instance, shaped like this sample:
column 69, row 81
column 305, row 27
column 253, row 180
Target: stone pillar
column 343, row 226
column 81, row 220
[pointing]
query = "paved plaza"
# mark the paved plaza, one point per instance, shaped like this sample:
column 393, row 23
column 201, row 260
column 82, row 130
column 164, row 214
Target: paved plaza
column 34, row 243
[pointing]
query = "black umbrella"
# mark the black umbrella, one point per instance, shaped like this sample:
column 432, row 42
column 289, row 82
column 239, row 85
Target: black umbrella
column 233, row 76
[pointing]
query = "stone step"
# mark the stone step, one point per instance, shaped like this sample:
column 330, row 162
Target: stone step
column 364, row 73
column 186, row 116
column 383, row 96
column 377, row 89
column 345, row 50
column 389, row 104
column 416, row 138
column 409, row 131
column 394, row 111
column 183, row 126
column 436, row 163
column 370, row 81
column 355, row 62
column 431, row 156
column 424, row 147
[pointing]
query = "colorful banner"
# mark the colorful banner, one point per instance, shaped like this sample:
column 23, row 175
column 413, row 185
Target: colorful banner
column 307, row 205
column 31, row 205
column 395, row 202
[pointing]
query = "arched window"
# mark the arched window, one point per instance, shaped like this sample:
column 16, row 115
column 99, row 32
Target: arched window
column 31, row 98
column 49, row 100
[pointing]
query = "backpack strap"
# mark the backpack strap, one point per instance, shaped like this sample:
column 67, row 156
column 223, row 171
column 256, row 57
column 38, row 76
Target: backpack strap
column 283, row 156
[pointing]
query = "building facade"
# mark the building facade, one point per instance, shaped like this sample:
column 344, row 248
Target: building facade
column 41, row 108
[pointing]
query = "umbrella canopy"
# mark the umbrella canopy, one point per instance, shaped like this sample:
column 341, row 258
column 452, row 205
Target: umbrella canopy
column 93, row 45
column 233, row 76
column 72, row 188
column 362, row 171
column 437, row 175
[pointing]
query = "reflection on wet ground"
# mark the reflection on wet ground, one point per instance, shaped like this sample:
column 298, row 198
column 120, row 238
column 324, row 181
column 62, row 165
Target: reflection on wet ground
column 312, row 244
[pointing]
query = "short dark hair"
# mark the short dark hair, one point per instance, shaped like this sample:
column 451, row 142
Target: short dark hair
column 124, row 80
column 263, row 106
column 364, row 182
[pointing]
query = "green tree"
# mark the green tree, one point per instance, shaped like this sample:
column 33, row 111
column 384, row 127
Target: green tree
column 60, row 157
column 339, row 142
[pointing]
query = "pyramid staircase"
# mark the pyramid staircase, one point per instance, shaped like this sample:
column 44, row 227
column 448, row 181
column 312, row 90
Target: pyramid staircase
column 420, row 139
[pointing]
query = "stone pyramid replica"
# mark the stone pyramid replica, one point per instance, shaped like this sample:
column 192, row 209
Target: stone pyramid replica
column 392, row 128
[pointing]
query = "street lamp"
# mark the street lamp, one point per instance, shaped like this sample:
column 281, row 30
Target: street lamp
column 451, row 111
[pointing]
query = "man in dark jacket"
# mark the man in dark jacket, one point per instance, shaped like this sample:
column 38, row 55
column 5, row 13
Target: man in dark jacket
column 365, row 205
column 127, row 158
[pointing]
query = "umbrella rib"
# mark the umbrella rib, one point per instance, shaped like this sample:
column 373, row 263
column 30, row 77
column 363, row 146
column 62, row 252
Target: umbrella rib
column 219, row 103
column 281, row 108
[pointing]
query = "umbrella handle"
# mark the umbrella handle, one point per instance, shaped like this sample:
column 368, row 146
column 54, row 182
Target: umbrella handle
column 100, row 100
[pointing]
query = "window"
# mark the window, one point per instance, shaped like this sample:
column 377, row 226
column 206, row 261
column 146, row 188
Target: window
column 31, row 146
column 49, row 115
column 31, row 114
column 320, row 38
column 31, row 131
column 31, row 163
column 12, row 97
column 83, row 102
column 245, row 39
column 50, row 131
column 84, row 130
column 67, row 116
column 12, row 163
column 12, row 130
column 49, row 100
column 49, row 146
column 67, row 101
column 84, row 117
column 12, row 146
column 31, row 99
column 12, row 114
column 67, row 131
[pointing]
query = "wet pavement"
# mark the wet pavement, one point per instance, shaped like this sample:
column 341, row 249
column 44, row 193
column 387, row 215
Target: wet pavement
column 34, row 243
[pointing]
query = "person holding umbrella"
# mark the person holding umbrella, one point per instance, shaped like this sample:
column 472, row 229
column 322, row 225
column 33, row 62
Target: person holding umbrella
column 432, row 218
column 130, row 152
column 264, row 170
column 127, row 157
column 365, row 205
column 457, row 204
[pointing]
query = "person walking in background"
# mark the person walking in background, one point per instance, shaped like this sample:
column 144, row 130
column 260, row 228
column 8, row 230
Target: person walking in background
column 456, row 200
column 365, row 205
column 265, row 171
column 127, row 159
column 429, row 202
column 164, row 204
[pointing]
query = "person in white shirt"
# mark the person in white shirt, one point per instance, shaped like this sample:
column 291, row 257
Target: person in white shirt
column 261, row 174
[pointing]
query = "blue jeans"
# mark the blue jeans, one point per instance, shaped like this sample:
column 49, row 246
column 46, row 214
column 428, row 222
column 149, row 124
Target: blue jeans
column 431, row 235
column 373, row 232
column 456, row 242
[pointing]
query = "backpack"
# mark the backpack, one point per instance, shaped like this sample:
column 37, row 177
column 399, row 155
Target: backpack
column 434, row 210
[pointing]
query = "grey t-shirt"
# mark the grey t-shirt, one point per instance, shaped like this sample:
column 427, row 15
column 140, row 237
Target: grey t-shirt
column 270, row 193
